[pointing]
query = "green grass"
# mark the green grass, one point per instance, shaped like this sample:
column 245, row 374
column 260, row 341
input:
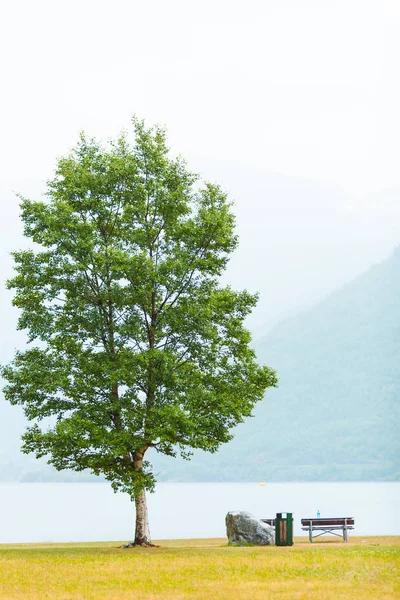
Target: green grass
column 202, row 569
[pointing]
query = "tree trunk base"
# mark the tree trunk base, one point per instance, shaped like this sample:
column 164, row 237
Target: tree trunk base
column 142, row 544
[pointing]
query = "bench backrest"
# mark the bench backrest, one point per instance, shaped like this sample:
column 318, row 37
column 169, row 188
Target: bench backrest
column 328, row 521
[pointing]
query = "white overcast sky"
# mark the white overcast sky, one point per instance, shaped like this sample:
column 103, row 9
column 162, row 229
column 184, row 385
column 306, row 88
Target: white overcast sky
column 304, row 89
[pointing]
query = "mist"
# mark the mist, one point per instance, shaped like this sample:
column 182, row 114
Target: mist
column 291, row 107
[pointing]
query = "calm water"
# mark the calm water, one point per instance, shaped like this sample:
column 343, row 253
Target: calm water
column 48, row 512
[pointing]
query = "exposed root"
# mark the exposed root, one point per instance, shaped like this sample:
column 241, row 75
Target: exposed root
column 139, row 545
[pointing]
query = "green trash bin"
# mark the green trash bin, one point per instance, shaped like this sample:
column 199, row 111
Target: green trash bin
column 284, row 529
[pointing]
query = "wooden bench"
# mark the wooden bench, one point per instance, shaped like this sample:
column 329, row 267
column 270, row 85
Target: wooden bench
column 269, row 522
column 327, row 525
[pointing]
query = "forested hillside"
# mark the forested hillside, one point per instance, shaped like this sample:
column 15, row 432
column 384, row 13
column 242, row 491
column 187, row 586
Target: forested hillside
column 336, row 413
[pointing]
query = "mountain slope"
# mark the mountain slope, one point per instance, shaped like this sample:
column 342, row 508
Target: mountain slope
column 336, row 414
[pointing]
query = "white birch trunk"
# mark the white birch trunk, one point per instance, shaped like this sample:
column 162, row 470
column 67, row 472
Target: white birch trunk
column 142, row 533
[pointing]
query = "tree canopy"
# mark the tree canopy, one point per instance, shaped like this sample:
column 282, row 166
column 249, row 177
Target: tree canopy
column 133, row 341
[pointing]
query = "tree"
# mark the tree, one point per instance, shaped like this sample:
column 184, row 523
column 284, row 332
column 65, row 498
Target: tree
column 138, row 345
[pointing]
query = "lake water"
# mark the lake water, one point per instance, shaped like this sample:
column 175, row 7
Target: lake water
column 72, row 512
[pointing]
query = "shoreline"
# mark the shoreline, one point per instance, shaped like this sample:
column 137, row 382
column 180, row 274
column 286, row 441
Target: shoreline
column 299, row 541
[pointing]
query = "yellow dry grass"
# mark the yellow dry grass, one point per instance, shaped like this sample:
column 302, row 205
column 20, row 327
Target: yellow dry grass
column 364, row 568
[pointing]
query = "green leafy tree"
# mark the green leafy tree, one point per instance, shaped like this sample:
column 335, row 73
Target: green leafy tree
column 137, row 344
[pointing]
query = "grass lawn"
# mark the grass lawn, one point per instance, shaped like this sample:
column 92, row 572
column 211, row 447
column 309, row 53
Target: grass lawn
column 203, row 569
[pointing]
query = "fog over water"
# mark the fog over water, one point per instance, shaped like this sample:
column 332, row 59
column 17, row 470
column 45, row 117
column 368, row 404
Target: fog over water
column 63, row 512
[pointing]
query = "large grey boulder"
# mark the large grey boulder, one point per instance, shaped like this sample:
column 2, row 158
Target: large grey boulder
column 244, row 529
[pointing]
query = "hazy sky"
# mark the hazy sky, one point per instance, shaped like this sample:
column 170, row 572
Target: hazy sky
column 302, row 87
column 293, row 105
column 250, row 92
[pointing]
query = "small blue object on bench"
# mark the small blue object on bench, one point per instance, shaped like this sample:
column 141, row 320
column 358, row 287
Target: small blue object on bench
column 327, row 525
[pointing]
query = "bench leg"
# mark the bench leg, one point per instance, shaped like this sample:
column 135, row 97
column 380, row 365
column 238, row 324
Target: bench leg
column 345, row 534
column 310, row 535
